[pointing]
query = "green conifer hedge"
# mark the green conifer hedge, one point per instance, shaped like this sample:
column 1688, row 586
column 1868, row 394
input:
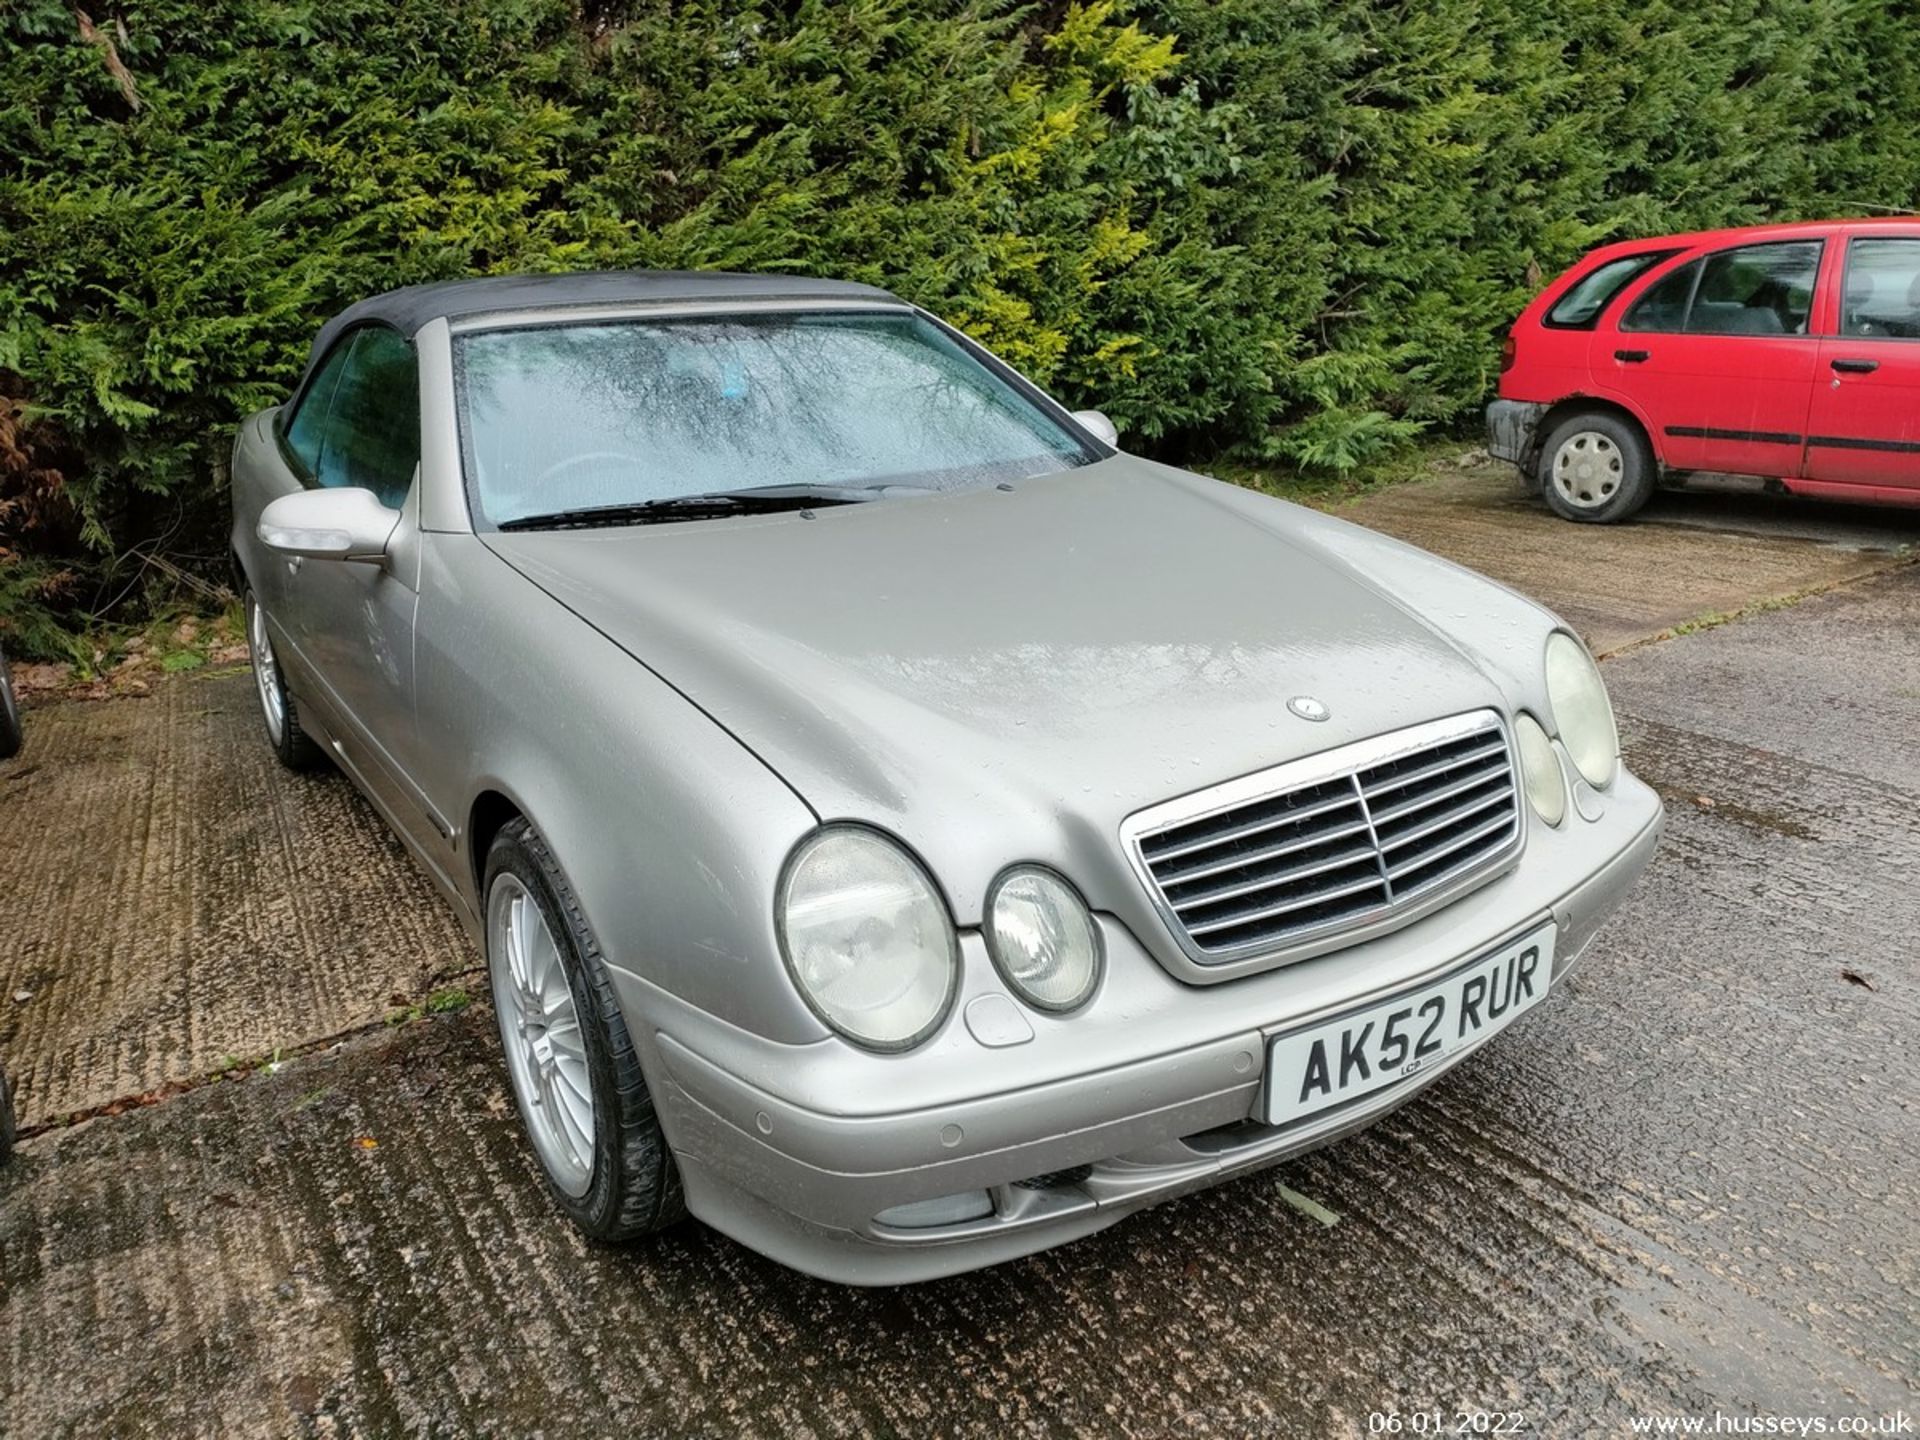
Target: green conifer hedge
column 1291, row 229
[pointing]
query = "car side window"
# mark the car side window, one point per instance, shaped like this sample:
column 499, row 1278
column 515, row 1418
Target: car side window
column 1664, row 306
column 306, row 432
column 1580, row 307
column 372, row 437
column 1756, row 290
column 1881, row 299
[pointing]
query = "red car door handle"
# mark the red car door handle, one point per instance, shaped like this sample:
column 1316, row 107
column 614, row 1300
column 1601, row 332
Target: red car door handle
column 1631, row 357
column 1857, row 367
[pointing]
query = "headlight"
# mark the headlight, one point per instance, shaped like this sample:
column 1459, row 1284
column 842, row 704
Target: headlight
column 1581, row 711
column 1042, row 938
column 867, row 937
column 1540, row 771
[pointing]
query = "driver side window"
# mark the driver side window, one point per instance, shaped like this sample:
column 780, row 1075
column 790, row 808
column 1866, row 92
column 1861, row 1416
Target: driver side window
column 1882, row 296
column 359, row 423
column 306, row 432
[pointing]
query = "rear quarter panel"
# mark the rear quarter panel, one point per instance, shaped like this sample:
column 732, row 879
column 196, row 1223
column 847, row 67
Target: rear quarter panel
column 1550, row 362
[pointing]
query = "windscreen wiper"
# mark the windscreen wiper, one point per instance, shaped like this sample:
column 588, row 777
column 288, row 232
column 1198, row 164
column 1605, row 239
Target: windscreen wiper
column 757, row 500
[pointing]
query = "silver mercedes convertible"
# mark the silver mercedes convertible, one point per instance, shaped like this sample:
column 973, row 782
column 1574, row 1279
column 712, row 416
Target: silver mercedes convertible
column 903, row 830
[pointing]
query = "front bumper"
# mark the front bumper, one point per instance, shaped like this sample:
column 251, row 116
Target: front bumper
column 797, row 1151
column 1513, row 430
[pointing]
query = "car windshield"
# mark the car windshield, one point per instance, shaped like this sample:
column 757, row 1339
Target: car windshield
column 620, row 415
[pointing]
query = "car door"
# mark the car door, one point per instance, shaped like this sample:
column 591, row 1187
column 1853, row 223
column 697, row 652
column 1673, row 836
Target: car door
column 352, row 625
column 275, row 457
column 1716, row 355
column 1865, row 424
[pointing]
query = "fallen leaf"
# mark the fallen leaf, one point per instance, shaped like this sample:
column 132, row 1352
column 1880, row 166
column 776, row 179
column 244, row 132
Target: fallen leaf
column 1854, row 977
column 20, row 997
column 1703, row 801
column 367, row 1142
column 1310, row 1208
column 303, row 1394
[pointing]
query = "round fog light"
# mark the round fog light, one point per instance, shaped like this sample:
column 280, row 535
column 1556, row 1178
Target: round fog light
column 1540, row 771
column 1042, row 938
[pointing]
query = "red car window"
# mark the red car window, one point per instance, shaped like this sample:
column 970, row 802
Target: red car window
column 1580, row 307
column 1749, row 290
column 1664, row 307
column 1756, row 290
column 1881, row 298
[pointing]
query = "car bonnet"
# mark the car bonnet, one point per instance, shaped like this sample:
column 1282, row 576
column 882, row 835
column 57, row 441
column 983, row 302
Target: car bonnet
column 1006, row 674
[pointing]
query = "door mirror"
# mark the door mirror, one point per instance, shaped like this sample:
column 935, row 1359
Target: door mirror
column 1096, row 424
column 342, row 524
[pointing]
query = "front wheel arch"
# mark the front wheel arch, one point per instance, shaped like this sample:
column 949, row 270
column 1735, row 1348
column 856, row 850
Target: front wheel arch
column 292, row 745
column 491, row 812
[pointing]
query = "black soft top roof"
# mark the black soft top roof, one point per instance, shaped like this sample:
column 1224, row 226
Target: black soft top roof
column 408, row 309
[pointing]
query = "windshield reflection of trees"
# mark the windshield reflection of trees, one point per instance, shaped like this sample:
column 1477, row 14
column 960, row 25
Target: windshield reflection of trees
column 588, row 415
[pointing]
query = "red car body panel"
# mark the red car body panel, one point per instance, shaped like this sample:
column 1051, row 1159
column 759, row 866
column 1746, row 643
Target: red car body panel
column 1827, row 402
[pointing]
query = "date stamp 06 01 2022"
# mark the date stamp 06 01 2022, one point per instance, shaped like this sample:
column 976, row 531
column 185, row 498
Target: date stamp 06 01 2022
column 1436, row 1421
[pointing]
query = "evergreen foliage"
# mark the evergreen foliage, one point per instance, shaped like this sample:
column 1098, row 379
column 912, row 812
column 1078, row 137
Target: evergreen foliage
column 1291, row 229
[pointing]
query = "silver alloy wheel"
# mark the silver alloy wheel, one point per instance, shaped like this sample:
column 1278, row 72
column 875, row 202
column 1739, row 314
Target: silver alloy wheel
column 266, row 675
column 540, row 1031
column 1587, row 469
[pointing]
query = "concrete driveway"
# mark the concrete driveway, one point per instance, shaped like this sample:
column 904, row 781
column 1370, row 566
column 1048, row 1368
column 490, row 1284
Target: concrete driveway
column 1690, row 555
column 1686, row 1184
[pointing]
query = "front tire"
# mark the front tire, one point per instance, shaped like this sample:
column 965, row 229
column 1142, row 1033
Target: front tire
column 1595, row 468
column 294, row 748
column 575, row 1075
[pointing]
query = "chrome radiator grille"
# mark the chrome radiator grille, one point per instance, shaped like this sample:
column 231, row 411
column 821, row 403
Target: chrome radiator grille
column 1346, row 839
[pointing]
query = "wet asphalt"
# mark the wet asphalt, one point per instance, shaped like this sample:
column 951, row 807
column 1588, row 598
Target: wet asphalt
column 1685, row 1184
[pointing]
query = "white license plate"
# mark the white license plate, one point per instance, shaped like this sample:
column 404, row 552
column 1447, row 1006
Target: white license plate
column 1395, row 1039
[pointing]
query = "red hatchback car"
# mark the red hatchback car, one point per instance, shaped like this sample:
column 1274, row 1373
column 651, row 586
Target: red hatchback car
column 1787, row 352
